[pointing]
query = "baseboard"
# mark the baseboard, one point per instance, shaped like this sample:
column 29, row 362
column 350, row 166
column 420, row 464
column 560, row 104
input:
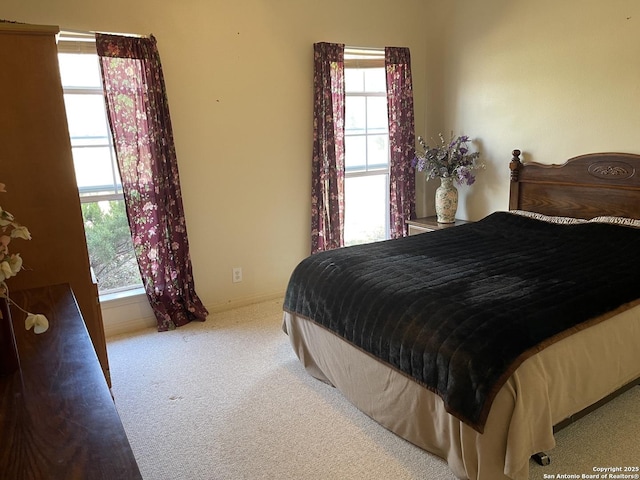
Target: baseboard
column 243, row 302
column 119, row 319
column 112, row 329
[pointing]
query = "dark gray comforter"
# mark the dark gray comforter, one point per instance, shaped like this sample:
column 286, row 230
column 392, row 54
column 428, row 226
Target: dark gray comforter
column 459, row 309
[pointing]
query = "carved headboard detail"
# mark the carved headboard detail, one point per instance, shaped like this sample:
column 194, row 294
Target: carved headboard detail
column 604, row 169
column 586, row 186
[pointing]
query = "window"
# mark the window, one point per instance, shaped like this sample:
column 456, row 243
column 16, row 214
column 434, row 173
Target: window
column 107, row 229
column 366, row 148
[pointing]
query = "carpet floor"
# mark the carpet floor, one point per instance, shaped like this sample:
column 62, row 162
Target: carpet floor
column 228, row 399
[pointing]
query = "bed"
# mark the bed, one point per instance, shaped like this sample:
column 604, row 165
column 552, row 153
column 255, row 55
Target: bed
column 547, row 350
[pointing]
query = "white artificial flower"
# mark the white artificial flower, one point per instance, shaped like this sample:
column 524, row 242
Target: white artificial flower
column 20, row 232
column 5, row 270
column 5, row 218
column 15, row 262
column 4, row 245
column 38, row 321
column 11, row 264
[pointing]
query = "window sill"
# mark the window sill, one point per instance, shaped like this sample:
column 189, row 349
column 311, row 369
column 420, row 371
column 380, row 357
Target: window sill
column 122, row 298
column 125, row 312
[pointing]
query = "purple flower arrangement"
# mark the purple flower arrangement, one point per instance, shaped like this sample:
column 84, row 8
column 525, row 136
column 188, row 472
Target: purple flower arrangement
column 449, row 159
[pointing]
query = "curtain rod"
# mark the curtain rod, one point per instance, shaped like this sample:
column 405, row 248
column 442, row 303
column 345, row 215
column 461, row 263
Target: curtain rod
column 363, row 53
column 352, row 47
column 91, row 34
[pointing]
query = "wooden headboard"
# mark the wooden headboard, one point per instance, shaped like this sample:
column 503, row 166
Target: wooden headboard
column 583, row 187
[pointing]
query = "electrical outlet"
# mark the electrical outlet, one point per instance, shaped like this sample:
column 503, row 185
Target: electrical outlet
column 237, row 274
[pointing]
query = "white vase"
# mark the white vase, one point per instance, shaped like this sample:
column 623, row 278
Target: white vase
column 446, row 201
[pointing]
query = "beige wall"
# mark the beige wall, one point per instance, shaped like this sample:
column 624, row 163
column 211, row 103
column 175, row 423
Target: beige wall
column 553, row 78
column 239, row 79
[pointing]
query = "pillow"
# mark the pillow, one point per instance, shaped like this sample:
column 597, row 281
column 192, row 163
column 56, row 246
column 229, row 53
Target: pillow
column 627, row 222
column 549, row 218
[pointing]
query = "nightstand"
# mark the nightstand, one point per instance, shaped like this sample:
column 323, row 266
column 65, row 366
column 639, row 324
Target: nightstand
column 429, row 224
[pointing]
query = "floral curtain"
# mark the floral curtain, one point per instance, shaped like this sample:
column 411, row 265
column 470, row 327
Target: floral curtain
column 139, row 117
column 327, row 178
column 402, row 186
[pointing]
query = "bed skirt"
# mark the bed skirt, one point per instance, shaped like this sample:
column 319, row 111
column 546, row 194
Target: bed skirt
column 547, row 388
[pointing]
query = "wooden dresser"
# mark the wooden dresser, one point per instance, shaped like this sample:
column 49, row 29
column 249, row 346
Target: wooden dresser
column 57, row 417
column 37, row 168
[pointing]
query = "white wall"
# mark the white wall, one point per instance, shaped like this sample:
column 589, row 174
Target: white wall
column 553, row 78
column 239, row 79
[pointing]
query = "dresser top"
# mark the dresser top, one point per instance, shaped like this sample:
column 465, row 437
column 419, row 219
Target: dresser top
column 57, row 417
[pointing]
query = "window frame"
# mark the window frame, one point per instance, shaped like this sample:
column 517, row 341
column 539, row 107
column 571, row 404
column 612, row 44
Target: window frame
column 79, row 44
column 84, row 44
column 364, row 58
